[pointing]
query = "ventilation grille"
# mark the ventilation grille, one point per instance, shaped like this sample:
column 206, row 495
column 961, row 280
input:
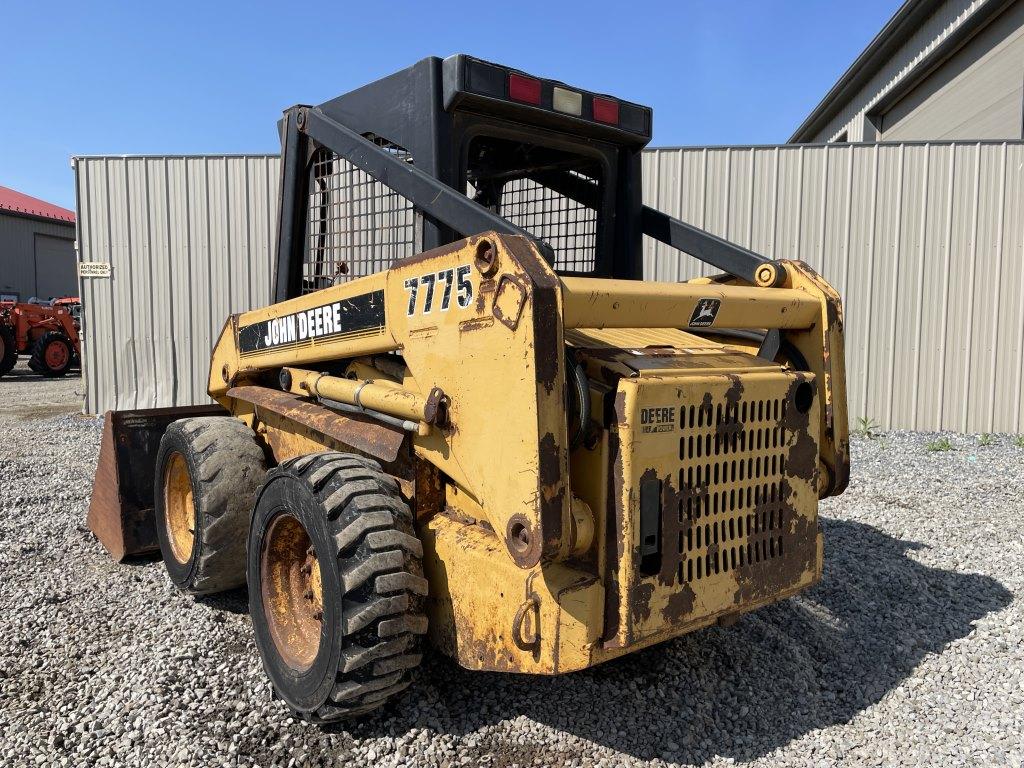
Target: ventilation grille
column 569, row 227
column 733, row 502
column 356, row 225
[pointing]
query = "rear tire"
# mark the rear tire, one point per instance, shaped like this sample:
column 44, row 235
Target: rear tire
column 336, row 585
column 208, row 472
column 52, row 355
column 8, row 350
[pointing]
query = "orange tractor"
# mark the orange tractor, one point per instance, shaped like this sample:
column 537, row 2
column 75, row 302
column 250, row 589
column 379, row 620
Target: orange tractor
column 48, row 333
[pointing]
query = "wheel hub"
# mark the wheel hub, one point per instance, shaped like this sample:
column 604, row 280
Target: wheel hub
column 292, row 591
column 56, row 355
column 180, row 509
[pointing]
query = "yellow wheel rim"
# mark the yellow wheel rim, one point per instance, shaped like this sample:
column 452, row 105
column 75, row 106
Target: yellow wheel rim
column 179, row 506
column 292, row 591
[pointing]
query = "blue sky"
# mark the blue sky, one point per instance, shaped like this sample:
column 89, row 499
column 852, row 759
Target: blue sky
column 184, row 77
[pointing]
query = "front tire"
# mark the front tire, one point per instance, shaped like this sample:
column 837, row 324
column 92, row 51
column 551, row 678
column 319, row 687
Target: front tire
column 208, row 472
column 52, row 355
column 336, row 585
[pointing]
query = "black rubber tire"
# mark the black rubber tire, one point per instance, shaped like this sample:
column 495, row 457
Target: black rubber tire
column 8, row 350
column 372, row 584
column 226, row 467
column 38, row 360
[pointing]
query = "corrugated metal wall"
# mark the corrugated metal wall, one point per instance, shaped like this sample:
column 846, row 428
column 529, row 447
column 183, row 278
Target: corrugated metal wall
column 17, row 251
column 925, row 242
column 188, row 240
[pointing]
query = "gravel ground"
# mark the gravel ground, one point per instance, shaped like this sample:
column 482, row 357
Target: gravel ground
column 909, row 652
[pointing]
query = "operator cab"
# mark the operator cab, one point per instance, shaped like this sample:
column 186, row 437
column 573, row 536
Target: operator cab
column 559, row 162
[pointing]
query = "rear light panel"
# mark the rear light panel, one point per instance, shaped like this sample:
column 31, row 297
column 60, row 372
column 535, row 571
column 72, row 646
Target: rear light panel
column 466, row 76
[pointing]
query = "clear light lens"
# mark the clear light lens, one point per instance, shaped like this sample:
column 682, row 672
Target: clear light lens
column 567, row 101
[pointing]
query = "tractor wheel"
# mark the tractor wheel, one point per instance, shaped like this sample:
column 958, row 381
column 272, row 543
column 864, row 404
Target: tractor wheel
column 52, row 355
column 8, row 350
column 208, row 472
column 336, row 585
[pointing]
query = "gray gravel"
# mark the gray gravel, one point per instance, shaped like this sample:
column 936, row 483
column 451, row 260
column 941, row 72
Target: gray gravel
column 910, row 651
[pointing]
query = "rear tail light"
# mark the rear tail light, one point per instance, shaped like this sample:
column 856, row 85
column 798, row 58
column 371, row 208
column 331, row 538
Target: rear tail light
column 567, row 101
column 473, row 79
column 606, row 111
column 524, row 89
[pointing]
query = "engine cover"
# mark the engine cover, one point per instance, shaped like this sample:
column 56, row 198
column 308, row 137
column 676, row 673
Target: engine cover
column 712, row 494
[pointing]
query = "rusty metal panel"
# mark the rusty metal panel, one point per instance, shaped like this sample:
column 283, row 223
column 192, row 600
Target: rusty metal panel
column 360, row 432
column 188, row 240
column 121, row 512
column 924, row 241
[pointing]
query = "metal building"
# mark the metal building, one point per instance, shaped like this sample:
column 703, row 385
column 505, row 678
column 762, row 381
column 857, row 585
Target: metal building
column 939, row 70
column 37, row 248
column 924, row 241
column 184, row 242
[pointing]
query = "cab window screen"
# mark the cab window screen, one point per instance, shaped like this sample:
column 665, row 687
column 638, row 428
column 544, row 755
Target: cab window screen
column 524, row 184
column 356, row 226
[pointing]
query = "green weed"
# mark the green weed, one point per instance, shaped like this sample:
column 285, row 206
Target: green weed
column 866, row 427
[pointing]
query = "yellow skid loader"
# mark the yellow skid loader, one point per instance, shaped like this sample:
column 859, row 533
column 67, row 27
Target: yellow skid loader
column 467, row 419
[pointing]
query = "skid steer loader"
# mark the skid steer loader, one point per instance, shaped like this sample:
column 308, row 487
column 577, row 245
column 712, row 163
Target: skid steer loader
column 467, row 419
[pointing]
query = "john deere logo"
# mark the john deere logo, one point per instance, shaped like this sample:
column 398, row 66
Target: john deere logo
column 704, row 313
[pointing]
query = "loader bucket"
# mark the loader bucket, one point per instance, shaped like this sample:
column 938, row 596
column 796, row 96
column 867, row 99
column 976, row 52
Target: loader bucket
column 121, row 513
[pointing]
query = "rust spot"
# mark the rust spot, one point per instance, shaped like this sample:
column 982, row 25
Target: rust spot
column 509, row 300
column 768, row 578
column 640, row 602
column 523, row 541
column 735, row 390
column 552, row 490
column 841, row 469
column 615, row 514
column 362, row 433
column 803, row 458
column 475, row 324
column 802, row 461
column 486, row 288
column 680, row 605
column 428, row 494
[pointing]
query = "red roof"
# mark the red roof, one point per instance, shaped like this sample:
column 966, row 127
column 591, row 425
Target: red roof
column 16, row 202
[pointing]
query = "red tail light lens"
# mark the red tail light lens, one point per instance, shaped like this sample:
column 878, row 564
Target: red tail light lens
column 526, row 89
column 606, row 111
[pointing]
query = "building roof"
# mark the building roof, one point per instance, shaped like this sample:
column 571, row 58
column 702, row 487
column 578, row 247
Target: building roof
column 898, row 29
column 26, row 205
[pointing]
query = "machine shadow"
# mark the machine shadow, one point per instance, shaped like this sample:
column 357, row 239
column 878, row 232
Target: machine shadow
column 19, row 375
column 744, row 691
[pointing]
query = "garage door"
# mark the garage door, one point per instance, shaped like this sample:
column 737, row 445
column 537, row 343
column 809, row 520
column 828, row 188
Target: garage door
column 55, row 267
